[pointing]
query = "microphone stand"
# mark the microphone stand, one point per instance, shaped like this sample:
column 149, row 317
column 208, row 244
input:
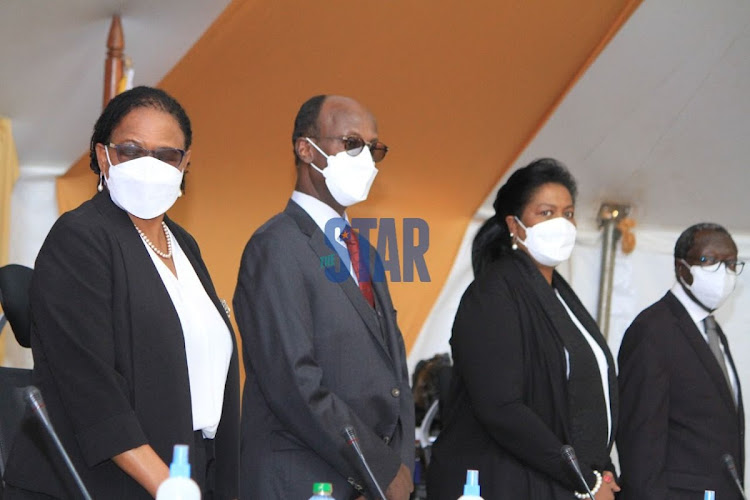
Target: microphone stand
column 732, row 468
column 569, row 455
column 34, row 398
column 351, row 438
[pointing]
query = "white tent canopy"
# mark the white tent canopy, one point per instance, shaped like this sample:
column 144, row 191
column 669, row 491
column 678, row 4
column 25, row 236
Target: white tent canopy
column 658, row 122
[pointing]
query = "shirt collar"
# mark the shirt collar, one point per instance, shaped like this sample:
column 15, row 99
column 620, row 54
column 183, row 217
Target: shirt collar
column 320, row 212
column 696, row 312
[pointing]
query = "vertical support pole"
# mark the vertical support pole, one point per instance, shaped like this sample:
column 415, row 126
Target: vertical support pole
column 609, row 216
column 113, row 64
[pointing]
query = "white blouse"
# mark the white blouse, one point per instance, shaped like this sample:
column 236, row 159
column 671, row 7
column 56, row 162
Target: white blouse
column 208, row 345
column 601, row 360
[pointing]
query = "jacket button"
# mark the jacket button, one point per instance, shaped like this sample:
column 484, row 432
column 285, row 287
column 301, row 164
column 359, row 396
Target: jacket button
column 386, row 439
column 395, row 392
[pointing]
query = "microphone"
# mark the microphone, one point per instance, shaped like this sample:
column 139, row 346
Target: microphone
column 729, row 464
column 569, row 455
column 32, row 396
column 351, row 438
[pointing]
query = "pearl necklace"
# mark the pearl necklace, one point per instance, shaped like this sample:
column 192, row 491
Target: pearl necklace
column 158, row 252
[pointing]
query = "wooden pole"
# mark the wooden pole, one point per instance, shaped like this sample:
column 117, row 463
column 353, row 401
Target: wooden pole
column 113, row 64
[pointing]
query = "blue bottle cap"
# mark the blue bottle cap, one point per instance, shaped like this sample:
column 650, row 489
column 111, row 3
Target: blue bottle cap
column 471, row 488
column 180, row 466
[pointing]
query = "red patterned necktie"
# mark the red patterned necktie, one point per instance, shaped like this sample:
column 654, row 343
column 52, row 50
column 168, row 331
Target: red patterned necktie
column 349, row 237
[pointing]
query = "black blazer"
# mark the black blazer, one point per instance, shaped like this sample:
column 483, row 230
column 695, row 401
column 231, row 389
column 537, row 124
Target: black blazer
column 318, row 357
column 109, row 359
column 507, row 413
column 678, row 415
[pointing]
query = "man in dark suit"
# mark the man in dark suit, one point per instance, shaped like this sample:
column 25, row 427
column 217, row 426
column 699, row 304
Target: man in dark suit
column 680, row 399
column 322, row 349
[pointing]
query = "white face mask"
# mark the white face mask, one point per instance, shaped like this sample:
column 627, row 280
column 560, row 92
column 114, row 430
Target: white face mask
column 550, row 242
column 348, row 178
column 711, row 288
column 145, row 187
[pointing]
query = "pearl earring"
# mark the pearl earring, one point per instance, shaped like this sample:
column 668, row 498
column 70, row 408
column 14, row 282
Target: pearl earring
column 100, row 187
column 514, row 246
column 179, row 194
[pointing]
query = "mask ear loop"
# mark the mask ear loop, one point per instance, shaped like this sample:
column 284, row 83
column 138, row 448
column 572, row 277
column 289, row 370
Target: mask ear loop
column 100, row 187
column 316, row 147
column 517, row 240
column 319, row 150
column 681, row 279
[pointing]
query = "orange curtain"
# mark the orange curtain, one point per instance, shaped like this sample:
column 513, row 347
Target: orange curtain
column 459, row 89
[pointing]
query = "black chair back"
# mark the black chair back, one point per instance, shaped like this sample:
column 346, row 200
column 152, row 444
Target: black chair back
column 15, row 281
column 12, row 409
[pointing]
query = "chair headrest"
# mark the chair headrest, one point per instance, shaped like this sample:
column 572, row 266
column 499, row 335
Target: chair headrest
column 15, row 281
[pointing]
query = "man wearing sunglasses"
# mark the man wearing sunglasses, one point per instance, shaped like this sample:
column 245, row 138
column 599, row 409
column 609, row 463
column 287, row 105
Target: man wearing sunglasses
column 322, row 354
column 680, row 400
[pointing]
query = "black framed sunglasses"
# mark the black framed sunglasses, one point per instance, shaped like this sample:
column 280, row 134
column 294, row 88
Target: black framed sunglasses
column 353, row 145
column 713, row 264
column 128, row 151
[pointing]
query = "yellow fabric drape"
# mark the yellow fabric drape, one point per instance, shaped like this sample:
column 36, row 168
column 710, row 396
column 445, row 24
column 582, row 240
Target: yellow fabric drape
column 8, row 177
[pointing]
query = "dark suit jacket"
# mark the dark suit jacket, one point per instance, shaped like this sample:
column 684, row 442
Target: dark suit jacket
column 109, row 359
column 507, row 412
column 678, row 417
column 317, row 358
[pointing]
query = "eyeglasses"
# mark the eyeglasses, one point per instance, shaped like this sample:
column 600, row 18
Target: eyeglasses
column 353, row 145
column 128, row 151
column 713, row 264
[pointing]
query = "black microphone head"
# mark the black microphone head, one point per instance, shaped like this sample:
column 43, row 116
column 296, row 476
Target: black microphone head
column 349, row 434
column 569, row 454
column 33, row 396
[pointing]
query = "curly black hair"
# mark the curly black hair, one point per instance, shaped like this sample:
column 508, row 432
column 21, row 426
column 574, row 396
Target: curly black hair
column 122, row 104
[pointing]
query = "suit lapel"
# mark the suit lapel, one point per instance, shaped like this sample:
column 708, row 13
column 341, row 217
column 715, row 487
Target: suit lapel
column 740, row 409
column 690, row 330
column 385, row 311
column 200, row 271
column 575, row 305
column 149, row 298
column 549, row 306
column 323, row 249
column 560, row 320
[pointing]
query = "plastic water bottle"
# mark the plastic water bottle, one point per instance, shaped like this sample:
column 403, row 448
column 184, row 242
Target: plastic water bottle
column 322, row 491
column 179, row 486
column 709, row 495
column 471, row 488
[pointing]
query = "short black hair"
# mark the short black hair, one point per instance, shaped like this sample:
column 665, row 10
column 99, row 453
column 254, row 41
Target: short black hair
column 124, row 103
column 687, row 239
column 306, row 122
column 493, row 238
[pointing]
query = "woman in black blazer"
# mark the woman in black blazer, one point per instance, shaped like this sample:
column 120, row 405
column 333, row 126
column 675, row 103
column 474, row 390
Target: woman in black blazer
column 531, row 370
column 133, row 350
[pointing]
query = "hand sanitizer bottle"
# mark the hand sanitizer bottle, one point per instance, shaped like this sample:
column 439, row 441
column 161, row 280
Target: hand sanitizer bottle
column 179, row 486
column 471, row 488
